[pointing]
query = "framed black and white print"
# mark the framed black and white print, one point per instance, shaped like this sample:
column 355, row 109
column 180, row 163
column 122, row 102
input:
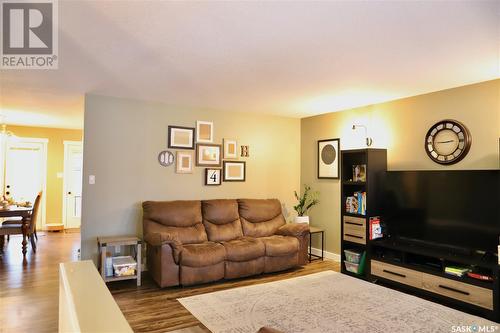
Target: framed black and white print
column 212, row 177
column 181, row 137
column 328, row 158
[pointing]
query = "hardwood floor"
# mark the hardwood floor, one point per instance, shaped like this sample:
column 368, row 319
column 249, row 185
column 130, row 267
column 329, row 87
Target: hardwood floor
column 29, row 290
column 150, row 309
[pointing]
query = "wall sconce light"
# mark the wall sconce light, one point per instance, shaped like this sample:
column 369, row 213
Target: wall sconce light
column 369, row 140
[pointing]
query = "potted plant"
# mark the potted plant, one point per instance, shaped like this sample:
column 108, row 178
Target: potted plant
column 305, row 202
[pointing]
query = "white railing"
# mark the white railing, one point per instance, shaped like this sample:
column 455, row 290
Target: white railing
column 85, row 303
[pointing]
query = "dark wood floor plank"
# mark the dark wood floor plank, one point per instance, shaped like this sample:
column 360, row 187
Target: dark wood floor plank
column 151, row 309
column 29, row 290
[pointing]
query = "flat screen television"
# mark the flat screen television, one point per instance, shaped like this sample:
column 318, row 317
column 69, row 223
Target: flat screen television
column 459, row 209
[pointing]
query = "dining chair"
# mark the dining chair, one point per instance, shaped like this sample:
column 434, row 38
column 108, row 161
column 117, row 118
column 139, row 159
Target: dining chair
column 16, row 229
column 33, row 217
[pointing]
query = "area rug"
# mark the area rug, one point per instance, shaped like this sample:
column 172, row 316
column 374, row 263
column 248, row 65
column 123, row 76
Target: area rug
column 325, row 302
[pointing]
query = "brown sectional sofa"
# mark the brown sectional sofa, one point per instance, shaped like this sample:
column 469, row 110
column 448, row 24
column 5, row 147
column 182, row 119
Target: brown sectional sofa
column 192, row 242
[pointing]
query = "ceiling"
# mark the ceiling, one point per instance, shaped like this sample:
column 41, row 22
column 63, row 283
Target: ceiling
column 286, row 58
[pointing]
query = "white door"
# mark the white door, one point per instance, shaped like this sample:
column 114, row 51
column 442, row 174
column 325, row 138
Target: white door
column 73, row 167
column 25, row 170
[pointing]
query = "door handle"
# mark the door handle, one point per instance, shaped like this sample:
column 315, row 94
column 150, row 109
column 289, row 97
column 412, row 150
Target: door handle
column 69, row 193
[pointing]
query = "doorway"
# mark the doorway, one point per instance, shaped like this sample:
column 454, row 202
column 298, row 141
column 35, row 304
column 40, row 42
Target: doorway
column 26, row 172
column 72, row 184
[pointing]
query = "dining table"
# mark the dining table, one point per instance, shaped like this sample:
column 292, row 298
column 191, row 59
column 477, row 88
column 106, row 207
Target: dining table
column 24, row 213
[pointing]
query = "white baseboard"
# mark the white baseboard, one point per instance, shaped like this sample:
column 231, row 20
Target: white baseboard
column 328, row 255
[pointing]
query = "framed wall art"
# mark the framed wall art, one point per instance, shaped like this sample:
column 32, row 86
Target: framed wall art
column 184, row 162
column 234, row 171
column 181, row 137
column 328, row 158
column 204, row 131
column 208, row 154
column 230, row 149
column 166, row 158
column 212, row 177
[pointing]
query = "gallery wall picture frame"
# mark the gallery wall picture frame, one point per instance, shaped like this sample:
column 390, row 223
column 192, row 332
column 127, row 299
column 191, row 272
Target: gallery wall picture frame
column 204, row 131
column 230, row 149
column 213, row 177
column 208, row 154
column 181, row 137
column 234, row 171
column 184, row 162
column 328, row 158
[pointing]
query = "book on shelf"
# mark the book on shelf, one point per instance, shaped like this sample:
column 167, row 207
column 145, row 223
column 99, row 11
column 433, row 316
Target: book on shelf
column 375, row 228
column 456, row 271
column 479, row 276
column 356, row 204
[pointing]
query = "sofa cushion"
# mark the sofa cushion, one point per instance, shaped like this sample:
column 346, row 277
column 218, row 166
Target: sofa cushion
column 173, row 213
column 260, row 217
column 221, row 220
column 244, row 249
column 276, row 264
column 239, row 269
column 194, row 275
column 202, row 254
column 180, row 219
column 277, row 246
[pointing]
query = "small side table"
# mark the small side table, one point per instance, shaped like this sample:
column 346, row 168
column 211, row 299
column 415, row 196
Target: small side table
column 103, row 242
column 314, row 230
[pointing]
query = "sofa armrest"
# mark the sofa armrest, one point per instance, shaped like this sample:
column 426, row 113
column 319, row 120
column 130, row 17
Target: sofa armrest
column 301, row 232
column 163, row 238
column 294, row 229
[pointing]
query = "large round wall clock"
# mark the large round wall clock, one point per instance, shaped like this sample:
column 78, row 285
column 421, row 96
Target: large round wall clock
column 447, row 142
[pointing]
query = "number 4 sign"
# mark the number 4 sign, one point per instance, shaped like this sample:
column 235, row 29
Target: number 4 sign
column 212, row 176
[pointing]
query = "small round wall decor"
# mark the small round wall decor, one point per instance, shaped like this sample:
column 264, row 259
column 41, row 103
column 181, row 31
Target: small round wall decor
column 447, row 142
column 165, row 158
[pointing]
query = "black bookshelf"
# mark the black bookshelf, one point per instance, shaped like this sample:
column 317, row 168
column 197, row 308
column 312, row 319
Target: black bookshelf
column 354, row 226
column 411, row 266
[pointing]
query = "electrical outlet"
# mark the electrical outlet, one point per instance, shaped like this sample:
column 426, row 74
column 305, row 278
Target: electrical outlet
column 91, row 179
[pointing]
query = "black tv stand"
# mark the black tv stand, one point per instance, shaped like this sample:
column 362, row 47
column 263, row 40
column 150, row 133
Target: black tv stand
column 419, row 268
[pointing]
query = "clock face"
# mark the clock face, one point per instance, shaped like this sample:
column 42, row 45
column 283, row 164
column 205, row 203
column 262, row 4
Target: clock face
column 447, row 142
